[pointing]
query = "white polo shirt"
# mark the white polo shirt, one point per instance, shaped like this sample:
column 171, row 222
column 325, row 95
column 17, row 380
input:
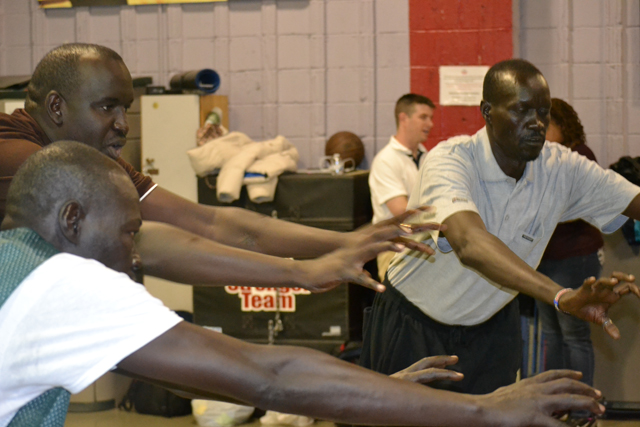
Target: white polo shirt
column 393, row 174
column 461, row 174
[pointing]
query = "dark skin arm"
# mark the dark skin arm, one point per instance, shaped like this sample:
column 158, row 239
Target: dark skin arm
column 303, row 381
column 182, row 256
column 195, row 260
column 424, row 371
column 249, row 230
column 485, row 253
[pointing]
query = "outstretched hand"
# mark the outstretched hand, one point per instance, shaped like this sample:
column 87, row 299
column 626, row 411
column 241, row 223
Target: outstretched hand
column 430, row 369
column 592, row 300
column 534, row 401
column 345, row 265
column 401, row 222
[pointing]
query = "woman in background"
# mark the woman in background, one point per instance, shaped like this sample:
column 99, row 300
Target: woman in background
column 570, row 258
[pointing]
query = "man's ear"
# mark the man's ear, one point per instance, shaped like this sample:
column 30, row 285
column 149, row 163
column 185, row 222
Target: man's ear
column 54, row 105
column 485, row 109
column 402, row 117
column 70, row 221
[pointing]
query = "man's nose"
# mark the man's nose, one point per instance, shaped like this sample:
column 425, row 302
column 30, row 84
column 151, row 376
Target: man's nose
column 121, row 123
column 536, row 122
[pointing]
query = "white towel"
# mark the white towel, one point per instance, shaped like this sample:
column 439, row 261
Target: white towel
column 277, row 155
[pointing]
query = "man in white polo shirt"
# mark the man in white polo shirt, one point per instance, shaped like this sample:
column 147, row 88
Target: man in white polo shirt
column 394, row 169
column 501, row 193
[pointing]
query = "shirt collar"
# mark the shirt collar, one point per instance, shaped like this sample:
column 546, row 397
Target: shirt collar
column 395, row 144
column 490, row 170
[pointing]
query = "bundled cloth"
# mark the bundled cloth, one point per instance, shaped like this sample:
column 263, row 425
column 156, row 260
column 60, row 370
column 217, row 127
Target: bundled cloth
column 280, row 419
column 243, row 161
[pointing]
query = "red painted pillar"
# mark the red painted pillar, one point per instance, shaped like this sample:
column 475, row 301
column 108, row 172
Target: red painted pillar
column 455, row 32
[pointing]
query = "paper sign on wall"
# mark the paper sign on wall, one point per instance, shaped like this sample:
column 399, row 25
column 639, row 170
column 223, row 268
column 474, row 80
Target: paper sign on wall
column 461, row 85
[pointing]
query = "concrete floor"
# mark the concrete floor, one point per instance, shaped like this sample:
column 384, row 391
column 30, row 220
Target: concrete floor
column 116, row 418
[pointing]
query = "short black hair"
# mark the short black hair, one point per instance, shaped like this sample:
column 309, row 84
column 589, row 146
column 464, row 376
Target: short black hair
column 407, row 104
column 493, row 87
column 62, row 171
column 59, row 71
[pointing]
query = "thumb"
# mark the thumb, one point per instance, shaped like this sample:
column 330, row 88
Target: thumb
column 611, row 329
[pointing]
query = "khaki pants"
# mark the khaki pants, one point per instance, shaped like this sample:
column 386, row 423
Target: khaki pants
column 383, row 263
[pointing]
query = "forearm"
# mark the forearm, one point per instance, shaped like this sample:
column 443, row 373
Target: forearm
column 249, row 230
column 344, row 393
column 485, row 253
column 177, row 255
column 240, row 228
column 294, row 380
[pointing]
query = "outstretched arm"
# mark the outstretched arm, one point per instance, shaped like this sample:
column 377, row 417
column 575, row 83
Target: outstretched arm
column 178, row 255
column 304, row 381
column 424, row 371
column 249, row 230
column 485, row 253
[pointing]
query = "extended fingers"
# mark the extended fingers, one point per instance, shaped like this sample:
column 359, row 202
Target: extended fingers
column 604, row 289
column 432, row 362
column 419, row 228
column 415, row 246
column 625, row 288
column 431, row 374
column 572, row 402
column 399, row 219
column 623, row 277
column 608, row 282
column 554, row 375
column 387, row 232
column 566, row 385
column 366, row 281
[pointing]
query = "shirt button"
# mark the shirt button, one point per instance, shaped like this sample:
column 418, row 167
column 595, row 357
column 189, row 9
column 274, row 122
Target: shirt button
column 506, row 217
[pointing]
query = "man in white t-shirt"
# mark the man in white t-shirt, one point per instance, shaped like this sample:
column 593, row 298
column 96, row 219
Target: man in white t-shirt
column 500, row 193
column 67, row 316
column 394, row 169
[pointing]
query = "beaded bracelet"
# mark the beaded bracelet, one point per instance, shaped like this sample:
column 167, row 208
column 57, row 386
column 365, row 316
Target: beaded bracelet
column 556, row 300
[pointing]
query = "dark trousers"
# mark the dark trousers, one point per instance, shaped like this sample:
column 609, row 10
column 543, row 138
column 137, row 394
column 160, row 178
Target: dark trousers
column 398, row 334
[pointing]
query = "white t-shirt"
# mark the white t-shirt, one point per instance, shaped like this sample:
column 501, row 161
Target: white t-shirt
column 68, row 323
column 393, row 174
column 462, row 174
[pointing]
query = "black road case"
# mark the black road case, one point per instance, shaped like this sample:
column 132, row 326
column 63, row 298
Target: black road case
column 322, row 321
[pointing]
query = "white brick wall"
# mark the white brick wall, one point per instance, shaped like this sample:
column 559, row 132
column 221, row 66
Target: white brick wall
column 301, row 68
column 588, row 50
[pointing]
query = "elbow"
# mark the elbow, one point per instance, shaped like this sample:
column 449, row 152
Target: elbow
column 467, row 254
column 465, row 258
column 272, row 395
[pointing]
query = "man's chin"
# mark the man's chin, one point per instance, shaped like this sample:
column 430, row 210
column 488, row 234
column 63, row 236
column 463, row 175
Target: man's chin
column 530, row 156
column 113, row 151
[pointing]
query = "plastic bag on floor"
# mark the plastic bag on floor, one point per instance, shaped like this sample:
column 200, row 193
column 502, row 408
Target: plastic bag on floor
column 273, row 417
column 211, row 413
